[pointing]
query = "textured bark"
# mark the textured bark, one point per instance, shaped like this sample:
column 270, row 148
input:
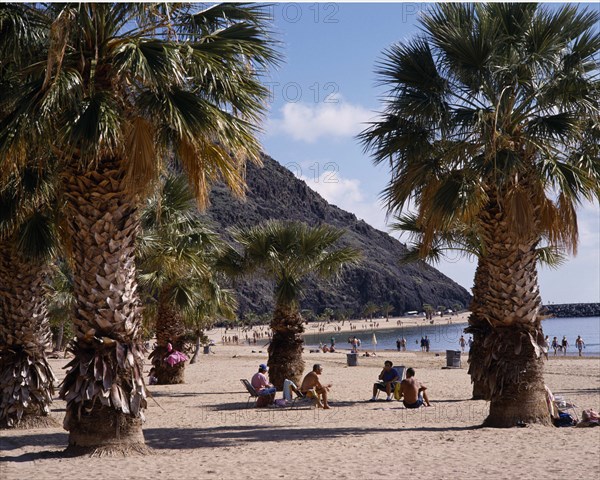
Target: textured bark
column 285, row 349
column 170, row 328
column 194, row 358
column 107, row 368
column 26, row 379
column 511, row 362
column 479, row 327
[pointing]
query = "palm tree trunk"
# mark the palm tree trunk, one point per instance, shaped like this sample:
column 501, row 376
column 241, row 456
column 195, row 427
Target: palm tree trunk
column 512, row 363
column 170, row 328
column 26, row 379
column 285, row 349
column 479, row 327
column 196, row 349
column 104, row 386
column 59, row 336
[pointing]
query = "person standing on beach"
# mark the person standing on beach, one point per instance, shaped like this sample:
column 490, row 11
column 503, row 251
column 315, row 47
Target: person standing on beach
column 555, row 345
column 426, row 343
column 580, row 344
column 312, row 381
column 462, row 343
column 564, row 344
column 403, row 344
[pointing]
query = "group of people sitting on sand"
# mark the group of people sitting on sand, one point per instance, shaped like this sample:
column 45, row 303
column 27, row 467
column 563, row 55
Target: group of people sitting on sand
column 410, row 390
column 310, row 387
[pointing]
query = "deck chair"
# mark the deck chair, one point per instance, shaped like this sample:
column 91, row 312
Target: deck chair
column 401, row 371
column 253, row 394
column 557, row 405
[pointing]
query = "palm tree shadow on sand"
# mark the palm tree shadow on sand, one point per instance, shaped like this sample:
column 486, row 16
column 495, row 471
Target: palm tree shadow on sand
column 165, row 438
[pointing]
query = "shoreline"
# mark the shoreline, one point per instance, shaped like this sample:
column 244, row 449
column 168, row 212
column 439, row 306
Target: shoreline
column 349, row 326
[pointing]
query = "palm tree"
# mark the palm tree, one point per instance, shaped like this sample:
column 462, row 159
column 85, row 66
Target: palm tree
column 27, row 243
column 492, row 121
column 176, row 253
column 116, row 90
column 463, row 238
column 386, row 309
column 287, row 253
column 370, row 309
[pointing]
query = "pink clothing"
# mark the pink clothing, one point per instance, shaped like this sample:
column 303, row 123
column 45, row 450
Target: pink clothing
column 175, row 356
column 259, row 381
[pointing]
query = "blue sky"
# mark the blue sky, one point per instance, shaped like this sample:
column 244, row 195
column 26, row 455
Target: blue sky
column 326, row 90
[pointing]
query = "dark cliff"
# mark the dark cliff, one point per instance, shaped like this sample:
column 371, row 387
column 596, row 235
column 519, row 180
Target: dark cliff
column 275, row 193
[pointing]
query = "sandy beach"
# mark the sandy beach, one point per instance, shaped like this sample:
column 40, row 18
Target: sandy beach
column 203, row 430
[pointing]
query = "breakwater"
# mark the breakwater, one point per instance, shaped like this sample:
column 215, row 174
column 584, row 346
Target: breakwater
column 572, row 310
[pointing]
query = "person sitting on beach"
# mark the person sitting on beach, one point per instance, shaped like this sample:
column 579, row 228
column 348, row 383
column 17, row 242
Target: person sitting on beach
column 311, row 381
column 387, row 378
column 261, row 384
column 413, row 391
column 325, row 348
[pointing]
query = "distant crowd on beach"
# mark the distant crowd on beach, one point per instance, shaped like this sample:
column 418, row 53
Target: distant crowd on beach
column 563, row 345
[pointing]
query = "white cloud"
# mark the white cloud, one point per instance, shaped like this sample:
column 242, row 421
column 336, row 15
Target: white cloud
column 310, row 122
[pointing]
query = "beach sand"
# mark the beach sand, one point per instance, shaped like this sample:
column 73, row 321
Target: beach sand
column 202, row 429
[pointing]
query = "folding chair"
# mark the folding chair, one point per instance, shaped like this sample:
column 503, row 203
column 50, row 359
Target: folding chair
column 252, row 392
column 401, row 371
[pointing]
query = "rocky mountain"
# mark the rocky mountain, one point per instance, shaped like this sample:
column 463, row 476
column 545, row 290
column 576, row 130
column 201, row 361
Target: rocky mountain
column 275, row 193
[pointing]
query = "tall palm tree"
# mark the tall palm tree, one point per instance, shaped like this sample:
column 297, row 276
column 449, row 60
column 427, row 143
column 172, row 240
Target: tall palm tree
column 463, row 239
column 117, row 89
column 492, row 120
column 287, row 253
column 176, row 255
column 27, row 243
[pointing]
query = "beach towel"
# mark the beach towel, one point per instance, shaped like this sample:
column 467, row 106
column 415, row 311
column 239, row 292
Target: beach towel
column 397, row 394
column 287, row 389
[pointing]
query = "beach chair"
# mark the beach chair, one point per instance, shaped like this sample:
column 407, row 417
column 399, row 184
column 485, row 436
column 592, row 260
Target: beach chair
column 558, row 407
column 401, row 371
column 253, row 394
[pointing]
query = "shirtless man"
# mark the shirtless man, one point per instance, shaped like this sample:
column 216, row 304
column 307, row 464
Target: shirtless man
column 413, row 391
column 312, row 381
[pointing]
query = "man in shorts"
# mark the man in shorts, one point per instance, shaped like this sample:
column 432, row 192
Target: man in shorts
column 311, row 382
column 387, row 378
column 413, row 391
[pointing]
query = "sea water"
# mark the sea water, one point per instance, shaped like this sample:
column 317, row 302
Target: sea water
column 444, row 336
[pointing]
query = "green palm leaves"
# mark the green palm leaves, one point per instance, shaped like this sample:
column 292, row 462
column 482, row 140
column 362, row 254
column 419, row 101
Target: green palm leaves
column 490, row 131
column 287, row 252
column 500, row 97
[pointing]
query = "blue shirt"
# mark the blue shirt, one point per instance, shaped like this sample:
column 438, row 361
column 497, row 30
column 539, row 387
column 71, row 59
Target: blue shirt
column 389, row 376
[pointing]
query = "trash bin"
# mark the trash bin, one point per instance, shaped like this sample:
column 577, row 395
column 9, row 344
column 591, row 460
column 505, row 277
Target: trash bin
column 453, row 358
column 206, row 349
column 352, row 359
